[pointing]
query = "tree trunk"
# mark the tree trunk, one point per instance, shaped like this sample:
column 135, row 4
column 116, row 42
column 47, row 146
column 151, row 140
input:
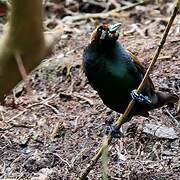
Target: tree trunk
column 24, row 36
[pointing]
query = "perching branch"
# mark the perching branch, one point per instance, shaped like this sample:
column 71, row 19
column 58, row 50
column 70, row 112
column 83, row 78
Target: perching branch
column 120, row 120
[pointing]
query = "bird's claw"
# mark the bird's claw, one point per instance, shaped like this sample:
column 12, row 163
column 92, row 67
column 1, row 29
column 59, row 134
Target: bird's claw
column 140, row 98
column 114, row 131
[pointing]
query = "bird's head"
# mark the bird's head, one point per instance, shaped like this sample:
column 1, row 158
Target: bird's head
column 105, row 33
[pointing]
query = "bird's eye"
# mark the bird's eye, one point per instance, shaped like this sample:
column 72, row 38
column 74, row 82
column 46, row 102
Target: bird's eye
column 99, row 29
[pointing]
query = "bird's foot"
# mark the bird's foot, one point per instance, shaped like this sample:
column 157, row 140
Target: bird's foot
column 114, row 131
column 140, row 98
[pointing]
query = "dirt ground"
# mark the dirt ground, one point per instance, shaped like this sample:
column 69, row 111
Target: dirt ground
column 52, row 124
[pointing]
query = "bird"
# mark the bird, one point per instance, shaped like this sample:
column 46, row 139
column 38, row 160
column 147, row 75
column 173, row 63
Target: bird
column 115, row 73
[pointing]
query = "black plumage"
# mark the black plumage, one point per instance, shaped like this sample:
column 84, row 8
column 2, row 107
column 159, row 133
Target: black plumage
column 114, row 72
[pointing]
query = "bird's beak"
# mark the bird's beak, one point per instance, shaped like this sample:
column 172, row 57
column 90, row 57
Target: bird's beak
column 114, row 27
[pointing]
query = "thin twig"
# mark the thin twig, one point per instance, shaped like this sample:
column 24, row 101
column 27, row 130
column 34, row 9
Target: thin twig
column 22, row 69
column 63, row 160
column 172, row 117
column 30, row 106
column 79, row 17
column 83, row 98
column 14, row 125
column 55, row 110
column 120, row 120
column 20, row 64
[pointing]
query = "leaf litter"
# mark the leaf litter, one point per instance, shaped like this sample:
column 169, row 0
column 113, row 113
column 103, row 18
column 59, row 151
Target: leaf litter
column 54, row 131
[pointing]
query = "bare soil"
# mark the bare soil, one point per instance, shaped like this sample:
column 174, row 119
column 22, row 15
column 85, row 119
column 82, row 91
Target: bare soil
column 52, row 124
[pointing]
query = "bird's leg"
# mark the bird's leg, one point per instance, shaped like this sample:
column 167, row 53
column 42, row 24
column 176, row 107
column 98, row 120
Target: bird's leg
column 114, row 131
column 140, row 98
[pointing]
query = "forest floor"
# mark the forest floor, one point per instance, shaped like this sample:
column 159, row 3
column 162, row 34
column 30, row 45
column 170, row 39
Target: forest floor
column 52, row 124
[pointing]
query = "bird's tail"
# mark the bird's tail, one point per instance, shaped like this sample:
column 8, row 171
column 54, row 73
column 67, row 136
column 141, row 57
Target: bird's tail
column 163, row 98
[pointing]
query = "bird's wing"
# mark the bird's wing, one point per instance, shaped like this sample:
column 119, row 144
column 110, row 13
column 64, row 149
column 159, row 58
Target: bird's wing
column 141, row 68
